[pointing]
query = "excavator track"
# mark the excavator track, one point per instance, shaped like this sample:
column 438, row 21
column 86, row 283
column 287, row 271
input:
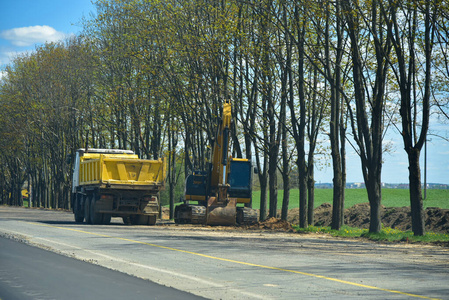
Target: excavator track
column 198, row 214
column 190, row 214
column 246, row 216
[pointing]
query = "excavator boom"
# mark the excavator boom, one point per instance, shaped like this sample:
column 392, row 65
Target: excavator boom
column 220, row 209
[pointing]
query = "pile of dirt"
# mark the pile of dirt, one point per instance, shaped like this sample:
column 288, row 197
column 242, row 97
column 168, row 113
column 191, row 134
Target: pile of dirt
column 435, row 219
column 165, row 213
column 272, row 224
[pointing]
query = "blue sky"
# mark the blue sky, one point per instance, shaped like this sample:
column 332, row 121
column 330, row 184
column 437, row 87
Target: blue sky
column 395, row 167
column 25, row 23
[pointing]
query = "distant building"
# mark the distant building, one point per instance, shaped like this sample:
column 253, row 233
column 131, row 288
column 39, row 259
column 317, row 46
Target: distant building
column 355, row 185
column 324, row 185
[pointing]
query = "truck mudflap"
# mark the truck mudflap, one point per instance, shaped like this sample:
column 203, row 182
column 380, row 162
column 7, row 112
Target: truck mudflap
column 221, row 212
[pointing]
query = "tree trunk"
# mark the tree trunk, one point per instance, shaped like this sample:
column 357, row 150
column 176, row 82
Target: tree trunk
column 302, row 198
column 171, row 172
column 286, row 197
column 263, row 178
column 299, row 129
column 273, row 187
column 337, row 195
column 263, row 199
column 416, row 203
column 334, row 78
column 374, row 196
column 310, row 193
column 285, row 163
column 343, row 167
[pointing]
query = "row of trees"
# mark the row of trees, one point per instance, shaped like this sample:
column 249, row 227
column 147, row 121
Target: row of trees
column 151, row 75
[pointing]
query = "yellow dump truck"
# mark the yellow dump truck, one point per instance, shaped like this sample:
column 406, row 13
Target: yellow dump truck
column 116, row 183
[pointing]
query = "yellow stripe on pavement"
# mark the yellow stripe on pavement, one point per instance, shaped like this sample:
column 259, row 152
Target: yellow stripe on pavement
column 241, row 262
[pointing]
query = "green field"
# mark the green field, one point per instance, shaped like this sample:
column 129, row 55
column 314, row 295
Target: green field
column 390, row 198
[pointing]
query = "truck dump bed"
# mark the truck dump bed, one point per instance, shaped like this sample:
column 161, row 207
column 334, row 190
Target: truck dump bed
column 116, row 183
column 118, row 171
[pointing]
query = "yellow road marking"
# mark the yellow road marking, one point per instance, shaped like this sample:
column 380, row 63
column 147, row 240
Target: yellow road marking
column 241, row 262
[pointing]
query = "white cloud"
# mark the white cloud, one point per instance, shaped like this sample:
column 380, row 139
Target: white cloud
column 7, row 54
column 27, row 36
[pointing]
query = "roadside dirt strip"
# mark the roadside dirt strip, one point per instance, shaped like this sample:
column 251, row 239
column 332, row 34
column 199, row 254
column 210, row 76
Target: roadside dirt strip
column 230, row 263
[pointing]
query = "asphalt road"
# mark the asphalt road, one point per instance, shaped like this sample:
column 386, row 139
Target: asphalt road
column 28, row 272
column 226, row 263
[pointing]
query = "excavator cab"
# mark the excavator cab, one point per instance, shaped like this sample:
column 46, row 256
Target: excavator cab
column 196, row 186
column 240, row 180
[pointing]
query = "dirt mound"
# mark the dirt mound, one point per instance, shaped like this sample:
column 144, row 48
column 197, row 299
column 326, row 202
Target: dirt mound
column 435, row 219
column 272, row 224
column 165, row 213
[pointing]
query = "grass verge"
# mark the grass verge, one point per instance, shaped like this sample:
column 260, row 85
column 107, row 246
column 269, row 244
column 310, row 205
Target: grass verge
column 390, row 198
column 387, row 234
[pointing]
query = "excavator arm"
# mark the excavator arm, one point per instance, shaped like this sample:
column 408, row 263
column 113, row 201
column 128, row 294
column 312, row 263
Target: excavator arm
column 221, row 209
column 220, row 151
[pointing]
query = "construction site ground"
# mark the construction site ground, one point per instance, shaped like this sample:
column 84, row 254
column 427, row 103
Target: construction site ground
column 435, row 219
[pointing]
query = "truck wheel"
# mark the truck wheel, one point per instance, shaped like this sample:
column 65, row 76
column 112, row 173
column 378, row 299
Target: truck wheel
column 77, row 210
column 79, row 218
column 106, row 219
column 151, row 220
column 143, row 220
column 95, row 216
column 138, row 220
column 126, row 220
column 87, row 210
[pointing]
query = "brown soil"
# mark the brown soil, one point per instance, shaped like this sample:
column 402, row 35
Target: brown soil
column 435, row 219
column 273, row 224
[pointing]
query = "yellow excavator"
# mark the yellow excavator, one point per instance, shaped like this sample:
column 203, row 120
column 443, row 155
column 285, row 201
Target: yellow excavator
column 216, row 196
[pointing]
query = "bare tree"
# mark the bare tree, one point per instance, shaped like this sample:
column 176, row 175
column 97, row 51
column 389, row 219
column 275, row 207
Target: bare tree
column 407, row 20
column 367, row 121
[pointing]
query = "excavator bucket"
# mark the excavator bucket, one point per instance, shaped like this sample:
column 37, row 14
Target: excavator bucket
column 221, row 212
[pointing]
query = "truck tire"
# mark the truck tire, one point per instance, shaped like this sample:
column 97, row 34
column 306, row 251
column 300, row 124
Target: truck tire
column 143, row 220
column 95, row 216
column 138, row 220
column 87, row 210
column 79, row 218
column 106, row 219
column 152, row 220
column 78, row 211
